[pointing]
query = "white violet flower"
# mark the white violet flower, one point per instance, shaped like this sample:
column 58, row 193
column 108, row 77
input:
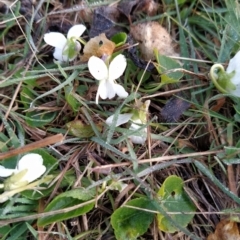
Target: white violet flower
column 29, row 168
column 108, row 88
column 66, row 49
column 234, row 66
column 227, row 81
column 138, row 119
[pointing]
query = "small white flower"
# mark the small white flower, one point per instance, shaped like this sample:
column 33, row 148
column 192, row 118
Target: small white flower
column 29, row 168
column 138, row 119
column 108, row 88
column 66, row 49
column 234, row 66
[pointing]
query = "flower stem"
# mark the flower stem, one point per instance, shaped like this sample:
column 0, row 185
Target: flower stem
column 7, row 194
column 215, row 77
column 81, row 41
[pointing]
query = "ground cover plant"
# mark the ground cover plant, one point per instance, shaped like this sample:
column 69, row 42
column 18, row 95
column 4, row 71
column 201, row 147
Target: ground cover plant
column 119, row 119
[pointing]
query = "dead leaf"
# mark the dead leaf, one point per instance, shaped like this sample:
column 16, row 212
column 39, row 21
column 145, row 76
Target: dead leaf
column 97, row 46
column 219, row 103
column 174, row 108
column 152, row 35
column 226, row 230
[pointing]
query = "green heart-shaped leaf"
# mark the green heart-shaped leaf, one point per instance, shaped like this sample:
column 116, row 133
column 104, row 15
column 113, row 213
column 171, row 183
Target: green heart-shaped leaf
column 173, row 198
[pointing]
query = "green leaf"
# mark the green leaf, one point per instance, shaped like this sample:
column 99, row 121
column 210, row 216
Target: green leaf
column 173, row 198
column 71, row 100
column 65, row 200
column 13, row 139
column 4, row 230
column 79, row 129
column 119, row 38
column 130, row 223
column 143, row 78
column 167, row 64
column 18, row 231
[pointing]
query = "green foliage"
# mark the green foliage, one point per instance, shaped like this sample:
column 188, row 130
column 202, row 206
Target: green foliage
column 173, row 198
column 119, row 38
column 231, row 155
column 71, row 100
column 33, row 86
column 68, row 199
column 168, row 69
column 34, row 118
column 22, row 208
column 19, row 231
column 45, row 190
column 79, row 129
column 130, row 223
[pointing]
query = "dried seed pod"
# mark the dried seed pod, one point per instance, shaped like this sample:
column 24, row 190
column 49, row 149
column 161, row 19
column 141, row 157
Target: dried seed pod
column 152, row 35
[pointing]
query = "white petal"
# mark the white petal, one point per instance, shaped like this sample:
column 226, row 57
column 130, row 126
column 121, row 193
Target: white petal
column 122, row 118
column 6, row 172
column 138, row 139
column 236, row 78
column 33, row 174
column 33, row 162
column 97, row 68
column 30, row 160
column 106, row 89
column 236, row 92
column 58, row 54
column 234, row 65
column 136, row 124
column 120, row 91
column 76, row 31
column 117, row 67
column 55, row 39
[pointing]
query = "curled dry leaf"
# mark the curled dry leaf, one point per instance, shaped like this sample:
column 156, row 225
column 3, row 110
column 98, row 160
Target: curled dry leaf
column 98, row 46
column 173, row 109
column 226, row 230
column 152, row 35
